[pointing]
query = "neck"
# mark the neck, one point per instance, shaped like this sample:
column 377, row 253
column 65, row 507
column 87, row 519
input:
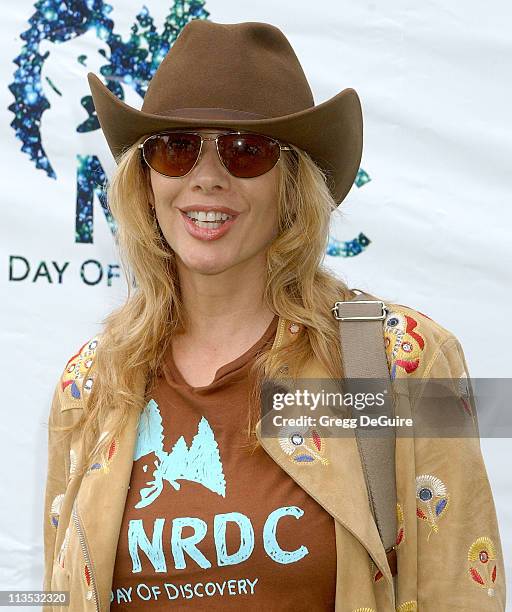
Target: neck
column 226, row 307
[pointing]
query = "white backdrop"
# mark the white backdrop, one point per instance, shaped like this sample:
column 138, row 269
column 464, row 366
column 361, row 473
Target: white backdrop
column 434, row 81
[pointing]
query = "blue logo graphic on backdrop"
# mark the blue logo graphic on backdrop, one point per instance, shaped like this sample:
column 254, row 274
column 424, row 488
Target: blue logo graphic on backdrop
column 131, row 63
column 127, row 63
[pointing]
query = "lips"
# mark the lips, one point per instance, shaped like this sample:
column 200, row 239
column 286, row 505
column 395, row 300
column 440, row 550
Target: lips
column 212, row 207
column 206, row 233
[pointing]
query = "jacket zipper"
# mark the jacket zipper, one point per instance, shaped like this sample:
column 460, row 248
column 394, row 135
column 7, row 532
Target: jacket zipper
column 85, row 553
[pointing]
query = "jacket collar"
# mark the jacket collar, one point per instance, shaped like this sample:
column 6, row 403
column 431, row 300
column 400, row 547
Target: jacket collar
column 338, row 486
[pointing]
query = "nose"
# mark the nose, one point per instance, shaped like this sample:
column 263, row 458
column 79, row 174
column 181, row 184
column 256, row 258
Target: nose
column 209, row 173
column 209, row 158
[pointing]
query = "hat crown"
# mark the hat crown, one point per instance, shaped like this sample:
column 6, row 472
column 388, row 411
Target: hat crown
column 248, row 67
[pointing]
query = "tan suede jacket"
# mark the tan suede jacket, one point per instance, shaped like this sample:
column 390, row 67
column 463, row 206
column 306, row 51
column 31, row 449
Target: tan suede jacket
column 448, row 547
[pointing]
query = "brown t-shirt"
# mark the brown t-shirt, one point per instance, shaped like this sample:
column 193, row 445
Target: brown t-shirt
column 207, row 525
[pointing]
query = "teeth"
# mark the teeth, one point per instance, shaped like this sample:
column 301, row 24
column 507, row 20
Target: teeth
column 209, row 224
column 210, row 216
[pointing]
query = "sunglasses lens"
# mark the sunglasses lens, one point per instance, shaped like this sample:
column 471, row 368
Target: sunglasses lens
column 172, row 154
column 244, row 155
column 248, row 155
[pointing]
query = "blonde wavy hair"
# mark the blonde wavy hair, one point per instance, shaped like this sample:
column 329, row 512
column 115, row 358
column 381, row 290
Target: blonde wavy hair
column 137, row 334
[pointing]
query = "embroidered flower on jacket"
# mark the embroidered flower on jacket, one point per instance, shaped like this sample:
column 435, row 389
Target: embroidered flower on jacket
column 76, row 369
column 72, row 462
column 301, row 448
column 432, row 500
column 55, row 508
column 294, row 328
column 404, row 345
column 464, row 393
column 87, row 577
column 482, row 565
column 106, row 457
column 400, row 531
column 407, row 606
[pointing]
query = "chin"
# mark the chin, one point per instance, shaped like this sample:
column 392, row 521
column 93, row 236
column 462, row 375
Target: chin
column 208, row 268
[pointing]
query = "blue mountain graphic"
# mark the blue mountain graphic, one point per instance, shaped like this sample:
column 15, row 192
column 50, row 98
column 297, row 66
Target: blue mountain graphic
column 200, row 463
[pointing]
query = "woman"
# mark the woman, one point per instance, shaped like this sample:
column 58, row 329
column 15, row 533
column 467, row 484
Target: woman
column 166, row 494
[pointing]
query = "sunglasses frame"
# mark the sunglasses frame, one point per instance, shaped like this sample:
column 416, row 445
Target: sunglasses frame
column 203, row 138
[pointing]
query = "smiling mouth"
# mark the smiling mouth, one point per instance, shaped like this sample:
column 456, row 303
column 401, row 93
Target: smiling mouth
column 208, row 220
column 208, row 230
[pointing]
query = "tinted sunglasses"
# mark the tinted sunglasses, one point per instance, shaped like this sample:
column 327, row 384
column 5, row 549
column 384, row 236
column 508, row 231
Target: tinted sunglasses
column 244, row 155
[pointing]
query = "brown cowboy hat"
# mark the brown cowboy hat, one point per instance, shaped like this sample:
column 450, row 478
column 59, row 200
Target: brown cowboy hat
column 244, row 76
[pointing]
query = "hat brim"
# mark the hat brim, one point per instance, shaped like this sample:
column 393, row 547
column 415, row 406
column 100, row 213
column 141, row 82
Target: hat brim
column 331, row 132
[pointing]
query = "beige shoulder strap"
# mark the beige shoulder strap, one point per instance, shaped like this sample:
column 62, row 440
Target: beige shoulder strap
column 363, row 355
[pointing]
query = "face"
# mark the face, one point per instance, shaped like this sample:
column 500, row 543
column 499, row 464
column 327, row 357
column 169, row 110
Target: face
column 242, row 239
